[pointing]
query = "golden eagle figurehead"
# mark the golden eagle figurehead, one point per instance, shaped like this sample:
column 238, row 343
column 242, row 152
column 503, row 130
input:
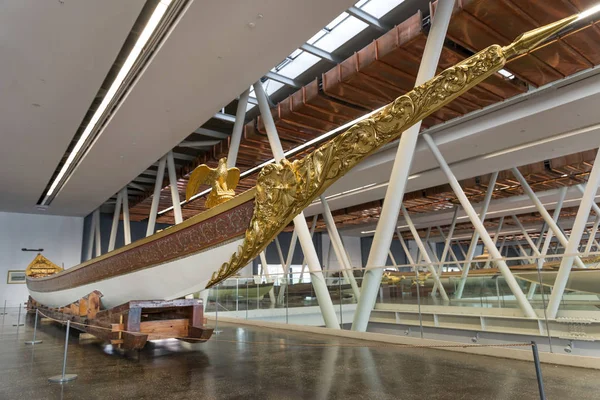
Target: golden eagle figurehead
column 223, row 181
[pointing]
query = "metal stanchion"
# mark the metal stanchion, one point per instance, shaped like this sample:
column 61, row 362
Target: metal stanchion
column 19, row 319
column 217, row 331
column 538, row 370
column 340, row 294
column 4, row 310
column 64, row 377
column 33, row 341
column 419, row 301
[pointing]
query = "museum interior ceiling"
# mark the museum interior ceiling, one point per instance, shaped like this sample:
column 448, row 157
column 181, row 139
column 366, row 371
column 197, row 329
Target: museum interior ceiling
column 312, row 96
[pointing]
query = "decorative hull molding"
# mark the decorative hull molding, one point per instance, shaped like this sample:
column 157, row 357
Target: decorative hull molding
column 214, row 227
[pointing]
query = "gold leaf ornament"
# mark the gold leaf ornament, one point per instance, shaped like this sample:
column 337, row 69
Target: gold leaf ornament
column 279, row 198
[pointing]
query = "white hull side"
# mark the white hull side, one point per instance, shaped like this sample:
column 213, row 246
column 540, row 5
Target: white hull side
column 164, row 282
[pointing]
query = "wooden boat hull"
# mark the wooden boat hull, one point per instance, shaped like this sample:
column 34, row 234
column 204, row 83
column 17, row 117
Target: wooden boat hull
column 167, row 265
column 160, row 266
column 168, row 281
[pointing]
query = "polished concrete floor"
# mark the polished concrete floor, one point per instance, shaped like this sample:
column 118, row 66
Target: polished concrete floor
column 252, row 363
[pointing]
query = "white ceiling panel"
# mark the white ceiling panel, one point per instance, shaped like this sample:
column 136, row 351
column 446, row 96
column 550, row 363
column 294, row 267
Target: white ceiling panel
column 210, row 57
column 54, row 55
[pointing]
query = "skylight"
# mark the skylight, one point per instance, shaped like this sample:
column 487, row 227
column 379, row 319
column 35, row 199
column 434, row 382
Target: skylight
column 298, row 65
column 343, row 28
column 340, row 33
column 378, row 8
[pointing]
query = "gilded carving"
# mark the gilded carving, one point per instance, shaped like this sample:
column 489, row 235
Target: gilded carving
column 284, row 189
column 222, row 180
column 192, row 239
column 41, row 266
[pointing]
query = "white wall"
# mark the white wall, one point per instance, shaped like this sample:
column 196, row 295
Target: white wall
column 60, row 237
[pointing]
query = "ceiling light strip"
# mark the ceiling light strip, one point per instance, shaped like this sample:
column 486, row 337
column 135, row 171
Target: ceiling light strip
column 121, row 81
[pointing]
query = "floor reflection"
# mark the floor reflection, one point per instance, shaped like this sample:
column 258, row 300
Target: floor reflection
column 252, row 363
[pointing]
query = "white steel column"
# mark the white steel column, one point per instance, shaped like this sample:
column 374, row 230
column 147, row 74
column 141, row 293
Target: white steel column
column 238, row 127
column 538, row 243
column 285, row 264
column 419, row 252
column 174, row 190
column 115, row 223
column 501, row 247
column 498, row 229
column 91, row 237
column 391, row 256
column 313, row 227
column 280, row 252
column 561, row 198
column 462, row 250
column 540, row 261
column 447, row 241
column 338, row 247
column 397, row 184
column 592, row 237
column 552, row 225
column 265, row 271
column 534, row 249
column 126, row 223
column 581, row 218
column 595, row 206
column 424, row 253
column 475, row 238
column 97, row 233
column 524, row 253
column 450, row 250
column 485, row 237
column 308, row 248
column 160, row 175
column 409, row 257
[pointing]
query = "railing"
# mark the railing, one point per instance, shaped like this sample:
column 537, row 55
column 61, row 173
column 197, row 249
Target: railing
column 408, row 296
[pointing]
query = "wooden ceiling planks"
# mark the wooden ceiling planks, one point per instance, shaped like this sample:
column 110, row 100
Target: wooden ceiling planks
column 386, row 69
column 477, row 24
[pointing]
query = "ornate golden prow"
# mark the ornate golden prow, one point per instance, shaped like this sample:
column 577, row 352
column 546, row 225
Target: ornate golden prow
column 222, row 179
column 284, row 189
column 41, row 266
column 530, row 40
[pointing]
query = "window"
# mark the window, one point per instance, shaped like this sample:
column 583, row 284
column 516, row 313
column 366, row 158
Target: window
column 297, row 66
column 340, row 33
column 378, row 8
column 343, row 28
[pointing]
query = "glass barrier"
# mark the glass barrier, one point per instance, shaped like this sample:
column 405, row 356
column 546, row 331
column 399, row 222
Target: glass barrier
column 411, row 296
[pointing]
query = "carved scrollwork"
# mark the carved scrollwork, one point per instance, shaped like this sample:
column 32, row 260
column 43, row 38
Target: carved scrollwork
column 284, row 189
